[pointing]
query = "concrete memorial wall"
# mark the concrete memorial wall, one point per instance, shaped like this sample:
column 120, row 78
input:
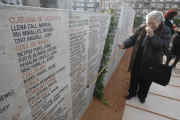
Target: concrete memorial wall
column 91, row 29
column 48, row 57
column 125, row 18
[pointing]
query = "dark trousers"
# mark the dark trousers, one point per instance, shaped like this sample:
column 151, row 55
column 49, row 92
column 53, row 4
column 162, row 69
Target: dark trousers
column 136, row 81
column 176, row 60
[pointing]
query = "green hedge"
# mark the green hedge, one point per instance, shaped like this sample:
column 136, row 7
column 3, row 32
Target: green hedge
column 137, row 21
column 176, row 21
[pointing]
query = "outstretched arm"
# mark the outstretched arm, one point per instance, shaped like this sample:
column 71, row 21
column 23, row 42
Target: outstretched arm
column 132, row 40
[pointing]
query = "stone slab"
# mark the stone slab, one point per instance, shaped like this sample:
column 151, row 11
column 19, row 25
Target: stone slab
column 131, row 113
column 157, row 104
column 176, row 72
column 92, row 34
column 167, row 91
column 48, row 57
column 175, row 81
column 123, row 15
column 33, row 71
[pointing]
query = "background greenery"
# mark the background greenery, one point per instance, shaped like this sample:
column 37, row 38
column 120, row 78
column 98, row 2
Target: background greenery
column 176, row 22
column 137, row 21
column 99, row 87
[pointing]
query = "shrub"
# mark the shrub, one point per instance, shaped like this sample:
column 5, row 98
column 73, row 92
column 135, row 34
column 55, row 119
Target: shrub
column 137, row 22
column 176, row 22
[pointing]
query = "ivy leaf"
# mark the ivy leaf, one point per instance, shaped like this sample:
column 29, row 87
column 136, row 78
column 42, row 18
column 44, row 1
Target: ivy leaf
column 98, row 92
column 104, row 101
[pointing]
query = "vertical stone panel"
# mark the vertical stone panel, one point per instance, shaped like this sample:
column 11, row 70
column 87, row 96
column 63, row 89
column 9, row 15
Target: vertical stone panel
column 125, row 18
column 90, row 30
column 48, row 57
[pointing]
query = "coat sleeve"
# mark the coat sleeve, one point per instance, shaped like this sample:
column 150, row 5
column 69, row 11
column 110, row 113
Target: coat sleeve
column 161, row 43
column 132, row 40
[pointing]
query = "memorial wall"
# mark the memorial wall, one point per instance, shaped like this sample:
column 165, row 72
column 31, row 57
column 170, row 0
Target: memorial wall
column 125, row 18
column 48, row 57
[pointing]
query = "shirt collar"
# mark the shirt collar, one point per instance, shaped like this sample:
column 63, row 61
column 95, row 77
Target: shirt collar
column 171, row 21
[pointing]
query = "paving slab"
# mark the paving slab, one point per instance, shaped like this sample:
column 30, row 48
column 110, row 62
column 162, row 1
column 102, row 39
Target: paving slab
column 168, row 91
column 175, row 81
column 176, row 71
column 131, row 113
column 159, row 105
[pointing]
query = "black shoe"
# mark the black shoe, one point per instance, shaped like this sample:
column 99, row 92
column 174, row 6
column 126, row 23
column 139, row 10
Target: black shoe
column 128, row 97
column 142, row 100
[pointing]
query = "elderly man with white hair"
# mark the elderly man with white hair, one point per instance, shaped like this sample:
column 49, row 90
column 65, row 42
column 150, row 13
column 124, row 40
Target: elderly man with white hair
column 148, row 39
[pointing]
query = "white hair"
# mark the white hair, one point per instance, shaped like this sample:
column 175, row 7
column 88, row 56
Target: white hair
column 155, row 14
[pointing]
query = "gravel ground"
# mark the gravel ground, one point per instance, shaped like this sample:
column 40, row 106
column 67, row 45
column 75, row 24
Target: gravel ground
column 114, row 92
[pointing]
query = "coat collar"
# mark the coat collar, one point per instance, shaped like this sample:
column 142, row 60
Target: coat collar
column 142, row 33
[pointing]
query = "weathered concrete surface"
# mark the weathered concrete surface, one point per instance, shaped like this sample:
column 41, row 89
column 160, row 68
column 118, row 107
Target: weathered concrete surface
column 48, row 57
column 125, row 18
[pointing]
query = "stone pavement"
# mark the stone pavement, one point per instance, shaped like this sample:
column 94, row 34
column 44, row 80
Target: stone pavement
column 162, row 103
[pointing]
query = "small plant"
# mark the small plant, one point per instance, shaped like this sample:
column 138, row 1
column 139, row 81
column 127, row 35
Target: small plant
column 137, row 21
column 176, row 22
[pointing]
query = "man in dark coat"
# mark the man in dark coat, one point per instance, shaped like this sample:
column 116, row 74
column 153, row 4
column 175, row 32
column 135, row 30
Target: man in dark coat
column 148, row 39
